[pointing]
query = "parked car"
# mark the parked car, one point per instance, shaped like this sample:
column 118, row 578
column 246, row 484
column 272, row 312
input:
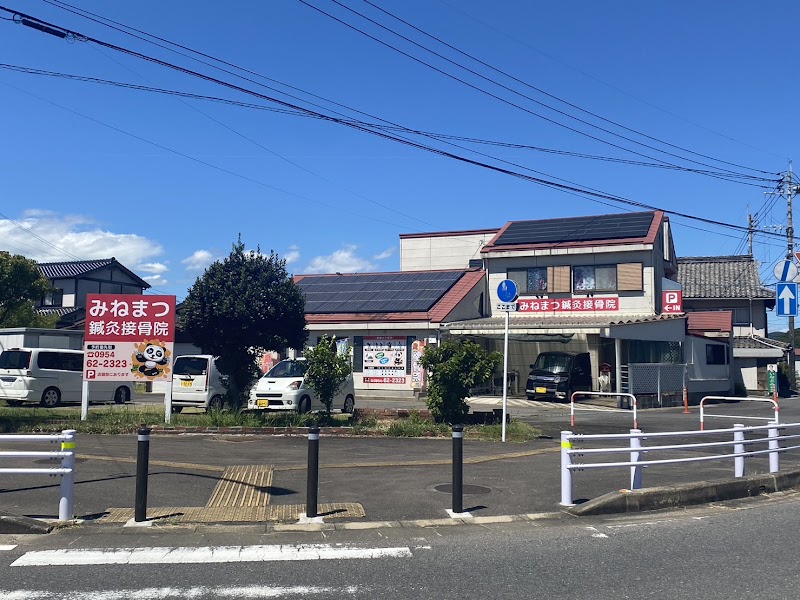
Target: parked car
column 196, row 382
column 283, row 388
column 556, row 375
column 51, row 377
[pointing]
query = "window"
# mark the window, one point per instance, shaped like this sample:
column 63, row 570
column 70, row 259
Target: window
column 15, row 359
column 190, row 365
column 716, row 354
column 595, row 279
column 61, row 361
column 540, row 280
column 54, row 298
column 741, row 316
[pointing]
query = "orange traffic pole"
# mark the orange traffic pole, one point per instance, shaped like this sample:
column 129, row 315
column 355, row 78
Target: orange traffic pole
column 685, row 401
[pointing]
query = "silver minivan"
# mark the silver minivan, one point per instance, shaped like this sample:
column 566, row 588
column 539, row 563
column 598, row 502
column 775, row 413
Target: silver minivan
column 50, row 377
column 195, row 382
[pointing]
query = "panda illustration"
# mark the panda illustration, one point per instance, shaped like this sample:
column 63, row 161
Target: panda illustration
column 152, row 356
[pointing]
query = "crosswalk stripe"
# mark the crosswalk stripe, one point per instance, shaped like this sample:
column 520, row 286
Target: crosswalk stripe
column 156, row 593
column 204, row 554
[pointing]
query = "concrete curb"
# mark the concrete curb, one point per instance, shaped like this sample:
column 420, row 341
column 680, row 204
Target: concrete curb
column 688, row 494
column 18, row 524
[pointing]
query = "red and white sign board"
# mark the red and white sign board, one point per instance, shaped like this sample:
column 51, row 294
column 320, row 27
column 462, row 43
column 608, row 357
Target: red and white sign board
column 384, row 359
column 671, row 301
column 607, row 304
column 129, row 337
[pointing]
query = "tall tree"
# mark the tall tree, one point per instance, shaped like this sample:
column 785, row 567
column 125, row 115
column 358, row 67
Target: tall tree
column 21, row 285
column 240, row 307
column 327, row 370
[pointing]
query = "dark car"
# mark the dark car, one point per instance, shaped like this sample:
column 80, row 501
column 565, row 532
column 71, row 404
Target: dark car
column 555, row 375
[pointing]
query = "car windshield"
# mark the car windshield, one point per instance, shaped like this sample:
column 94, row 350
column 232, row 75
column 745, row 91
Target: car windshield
column 288, row 368
column 15, row 359
column 553, row 363
column 191, row 365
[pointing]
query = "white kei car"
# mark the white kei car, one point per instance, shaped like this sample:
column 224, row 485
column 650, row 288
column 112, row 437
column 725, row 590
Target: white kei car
column 282, row 388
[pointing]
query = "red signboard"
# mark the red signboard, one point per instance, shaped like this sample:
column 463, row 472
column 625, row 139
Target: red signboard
column 607, row 304
column 129, row 337
column 671, row 301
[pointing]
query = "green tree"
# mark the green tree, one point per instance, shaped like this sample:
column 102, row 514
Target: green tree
column 455, row 366
column 326, row 370
column 21, row 285
column 240, row 307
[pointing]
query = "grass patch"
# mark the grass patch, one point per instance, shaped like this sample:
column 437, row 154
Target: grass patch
column 113, row 419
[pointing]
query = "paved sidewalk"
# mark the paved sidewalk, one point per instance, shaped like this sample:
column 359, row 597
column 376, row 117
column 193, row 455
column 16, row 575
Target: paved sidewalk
column 259, row 478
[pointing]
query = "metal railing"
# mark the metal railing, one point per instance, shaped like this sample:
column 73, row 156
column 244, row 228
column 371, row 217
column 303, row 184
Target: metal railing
column 572, row 445
column 630, row 397
column 775, row 409
column 66, row 471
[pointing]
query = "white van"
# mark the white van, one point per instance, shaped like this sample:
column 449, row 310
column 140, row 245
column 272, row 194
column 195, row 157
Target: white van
column 195, row 382
column 51, row 377
column 283, row 388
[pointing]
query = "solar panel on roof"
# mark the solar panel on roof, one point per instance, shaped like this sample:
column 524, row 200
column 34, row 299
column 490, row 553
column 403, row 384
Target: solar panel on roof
column 577, row 229
column 377, row 292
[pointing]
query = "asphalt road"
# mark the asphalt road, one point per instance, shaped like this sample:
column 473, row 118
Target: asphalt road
column 731, row 551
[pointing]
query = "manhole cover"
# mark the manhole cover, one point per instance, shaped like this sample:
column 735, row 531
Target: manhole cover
column 447, row 488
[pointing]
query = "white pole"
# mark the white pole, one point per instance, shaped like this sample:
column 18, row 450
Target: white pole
column 636, row 472
column 566, row 474
column 168, row 403
column 65, row 504
column 738, row 461
column 505, row 376
column 84, row 400
column 774, row 457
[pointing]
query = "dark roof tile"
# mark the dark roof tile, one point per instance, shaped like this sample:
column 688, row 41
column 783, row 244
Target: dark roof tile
column 721, row 277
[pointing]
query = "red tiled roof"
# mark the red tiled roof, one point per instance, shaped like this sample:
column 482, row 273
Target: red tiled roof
column 711, row 320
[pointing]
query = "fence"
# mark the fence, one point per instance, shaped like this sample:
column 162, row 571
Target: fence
column 66, row 471
column 572, row 446
column 657, row 379
column 775, row 409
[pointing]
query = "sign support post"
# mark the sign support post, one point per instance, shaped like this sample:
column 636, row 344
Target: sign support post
column 507, row 294
column 84, row 400
column 505, row 376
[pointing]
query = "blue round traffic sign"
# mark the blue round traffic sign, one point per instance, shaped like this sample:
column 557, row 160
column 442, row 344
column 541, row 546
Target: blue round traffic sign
column 507, row 291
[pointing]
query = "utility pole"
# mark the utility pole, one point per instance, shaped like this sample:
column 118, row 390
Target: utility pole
column 750, row 231
column 789, row 187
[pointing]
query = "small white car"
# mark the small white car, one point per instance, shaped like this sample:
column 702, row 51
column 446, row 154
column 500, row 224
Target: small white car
column 282, row 388
column 196, row 383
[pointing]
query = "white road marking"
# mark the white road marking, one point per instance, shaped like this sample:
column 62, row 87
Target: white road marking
column 7, row 547
column 597, row 534
column 176, row 592
column 206, row 554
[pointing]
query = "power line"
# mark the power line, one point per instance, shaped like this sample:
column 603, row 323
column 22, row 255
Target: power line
column 544, row 182
column 500, row 98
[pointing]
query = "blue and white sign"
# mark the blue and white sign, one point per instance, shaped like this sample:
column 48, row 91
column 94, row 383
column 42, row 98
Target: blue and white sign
column 785, row 270
column 507, row 291
column 786, row 295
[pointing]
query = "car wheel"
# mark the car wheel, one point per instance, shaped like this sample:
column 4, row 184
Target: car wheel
column 51, row 398
column 349, row 404
column 122, row 395
column 175, row 409
column 304, row 405
column 14, row 402
column 215, row 403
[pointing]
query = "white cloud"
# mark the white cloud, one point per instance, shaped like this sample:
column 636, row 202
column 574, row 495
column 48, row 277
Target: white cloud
column 199, row 260
column 343, row 260
column 385, row 254
column 46, row 236
column 293, row 255
column 155, row 268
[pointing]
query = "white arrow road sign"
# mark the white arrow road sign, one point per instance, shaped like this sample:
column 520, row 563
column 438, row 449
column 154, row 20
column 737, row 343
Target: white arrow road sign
column 787, row 299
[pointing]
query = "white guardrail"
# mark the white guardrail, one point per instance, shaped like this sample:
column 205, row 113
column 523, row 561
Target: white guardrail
column 66, row 471
column 574, row 445
column 775, row 409
column 630, row 398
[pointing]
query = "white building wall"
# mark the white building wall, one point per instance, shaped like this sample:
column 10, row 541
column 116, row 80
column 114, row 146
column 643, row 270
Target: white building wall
column 441, row 251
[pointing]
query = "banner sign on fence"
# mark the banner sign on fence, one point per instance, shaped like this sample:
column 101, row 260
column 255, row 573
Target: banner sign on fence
column 129, row 337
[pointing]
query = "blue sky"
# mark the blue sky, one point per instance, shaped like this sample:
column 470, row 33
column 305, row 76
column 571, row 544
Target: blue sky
column 167, row 184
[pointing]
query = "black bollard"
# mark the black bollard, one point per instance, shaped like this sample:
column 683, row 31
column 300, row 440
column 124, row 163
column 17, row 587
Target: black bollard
column 142, row 467
column 313, row 472
column 458, row 468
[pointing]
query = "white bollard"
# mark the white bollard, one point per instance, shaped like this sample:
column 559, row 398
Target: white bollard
column 738, row 461
column 566, row 473
column 67, row 488
column 636, row 472
column 774, row 444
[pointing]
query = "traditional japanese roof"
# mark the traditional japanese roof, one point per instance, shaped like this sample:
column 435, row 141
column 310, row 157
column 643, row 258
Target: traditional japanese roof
column 78, row 268
column 710, row 320
column 611, row 229
column 721, row 277
column 391, row 296
column 756, row 342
